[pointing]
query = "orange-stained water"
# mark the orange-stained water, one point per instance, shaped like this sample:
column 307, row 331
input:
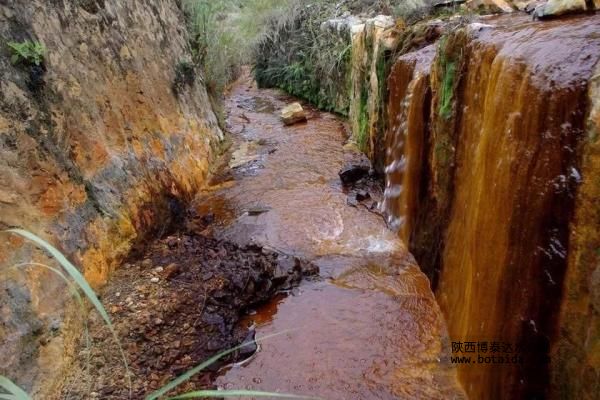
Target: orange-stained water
column 406, row 141
column 370, row 327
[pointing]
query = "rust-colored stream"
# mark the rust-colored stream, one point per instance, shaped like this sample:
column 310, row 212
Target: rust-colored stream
column 370, row 328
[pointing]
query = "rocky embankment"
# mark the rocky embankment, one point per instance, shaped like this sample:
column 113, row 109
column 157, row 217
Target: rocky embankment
column 174, row 305
column 101, row 143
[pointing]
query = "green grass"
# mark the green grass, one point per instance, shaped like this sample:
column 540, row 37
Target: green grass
column 447, row 89
column 298, row 55
column 13, row 392
column 223, row 34
column 76, row 283
column 27, row 52
column 363, row 120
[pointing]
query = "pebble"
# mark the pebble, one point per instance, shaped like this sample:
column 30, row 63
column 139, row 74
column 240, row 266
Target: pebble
column 158, row 269
column 154, row 280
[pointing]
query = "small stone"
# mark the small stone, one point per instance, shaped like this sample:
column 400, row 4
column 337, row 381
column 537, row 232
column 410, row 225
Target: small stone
column 158, row 269
column 158, row 321
column 118, row 294
column 293, row 114
column 170, row 271
column 154, row 279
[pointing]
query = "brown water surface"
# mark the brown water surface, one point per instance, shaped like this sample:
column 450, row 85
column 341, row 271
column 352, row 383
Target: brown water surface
column 370, row 327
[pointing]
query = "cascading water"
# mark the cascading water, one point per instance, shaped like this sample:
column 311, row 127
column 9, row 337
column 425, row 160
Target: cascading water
column 406, row 140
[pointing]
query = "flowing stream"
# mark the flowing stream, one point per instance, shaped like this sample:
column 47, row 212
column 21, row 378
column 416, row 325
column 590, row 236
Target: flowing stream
column 369, row 327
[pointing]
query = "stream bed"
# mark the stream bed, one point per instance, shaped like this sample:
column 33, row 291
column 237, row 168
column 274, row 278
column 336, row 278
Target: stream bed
column 370, row 328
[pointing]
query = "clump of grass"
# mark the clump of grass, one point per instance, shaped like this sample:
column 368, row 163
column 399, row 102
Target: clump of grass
column 27, row 52
column 363, row 120
column 184, row 75
column 13, row 392
column 76, row 279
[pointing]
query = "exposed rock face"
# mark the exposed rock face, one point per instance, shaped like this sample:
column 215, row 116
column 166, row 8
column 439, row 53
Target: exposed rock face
column 96, row 154
column 576, row 365
column 293, row 114
column 508, row 174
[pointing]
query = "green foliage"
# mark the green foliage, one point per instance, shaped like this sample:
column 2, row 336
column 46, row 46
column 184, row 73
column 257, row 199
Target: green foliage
column 223, row 33
column 447, row 89
column 13, row 392
column 363, row 120
column 214, row 393
column 300, row 55
column 27, row 52
column 448, row 61
column 81, row 283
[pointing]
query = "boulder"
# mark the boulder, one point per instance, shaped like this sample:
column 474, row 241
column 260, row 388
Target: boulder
column 554, row 8
column 293, row 114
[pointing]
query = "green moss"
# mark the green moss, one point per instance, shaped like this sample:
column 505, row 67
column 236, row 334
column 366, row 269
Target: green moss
column 446, row 95
column 363, row 121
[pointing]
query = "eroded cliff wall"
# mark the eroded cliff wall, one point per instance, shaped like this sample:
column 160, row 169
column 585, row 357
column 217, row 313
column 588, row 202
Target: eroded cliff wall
column 502, row 216
column 98, row 148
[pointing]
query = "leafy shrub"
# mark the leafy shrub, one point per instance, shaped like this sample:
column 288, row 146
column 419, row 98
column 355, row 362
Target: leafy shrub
column 27, row 52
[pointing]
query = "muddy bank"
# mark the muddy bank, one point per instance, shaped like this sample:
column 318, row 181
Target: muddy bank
column 175, row 305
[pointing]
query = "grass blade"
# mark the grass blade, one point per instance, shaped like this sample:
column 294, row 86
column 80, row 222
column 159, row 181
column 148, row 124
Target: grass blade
column 76, row 295
column 14, row 392
column 237, row 393
column 80, row 281
column 182, row 378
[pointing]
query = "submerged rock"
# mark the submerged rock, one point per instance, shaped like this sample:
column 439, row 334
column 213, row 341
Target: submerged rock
column 293, row 114
column 355, row 169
